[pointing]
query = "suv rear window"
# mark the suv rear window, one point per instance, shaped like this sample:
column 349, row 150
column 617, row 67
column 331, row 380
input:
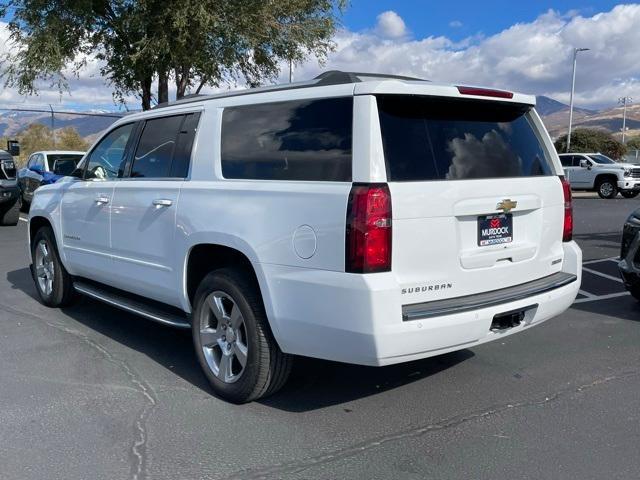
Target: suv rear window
column 294, row 140
column 434, row 138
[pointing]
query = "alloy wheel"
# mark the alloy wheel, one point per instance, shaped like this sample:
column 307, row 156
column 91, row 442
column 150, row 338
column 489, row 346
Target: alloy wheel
column 223, row 337
column 45, row 268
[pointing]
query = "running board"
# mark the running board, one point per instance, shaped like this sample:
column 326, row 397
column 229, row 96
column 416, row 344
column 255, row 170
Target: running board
column 139, row 307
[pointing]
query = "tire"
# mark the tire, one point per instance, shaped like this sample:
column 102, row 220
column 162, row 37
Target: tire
column 53, row 282
column 221, row 296
column 10, row 214
column 629, row 193
column 24, row 204
column 634, row 290
column 607, row 188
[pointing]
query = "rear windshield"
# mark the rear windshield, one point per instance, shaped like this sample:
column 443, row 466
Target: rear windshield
column 63, row 164
column 432, row 138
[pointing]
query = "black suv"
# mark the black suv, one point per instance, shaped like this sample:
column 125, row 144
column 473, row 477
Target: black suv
column 9, row 192
column 630, row 254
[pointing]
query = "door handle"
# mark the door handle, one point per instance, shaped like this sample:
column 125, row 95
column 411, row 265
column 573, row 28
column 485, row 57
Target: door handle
column 162, row 202
column 102, row 200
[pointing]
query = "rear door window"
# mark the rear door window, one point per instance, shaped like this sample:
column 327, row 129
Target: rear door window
column 566, row 160
column 435, row 138
column 294, row 140
column 164, row 148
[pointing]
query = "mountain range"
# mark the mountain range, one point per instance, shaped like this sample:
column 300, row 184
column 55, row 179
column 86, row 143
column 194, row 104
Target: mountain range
column 555, row 116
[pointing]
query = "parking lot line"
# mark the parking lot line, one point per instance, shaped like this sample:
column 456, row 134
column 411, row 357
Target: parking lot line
column 601, row 297
column 586, row 294
column 603, row 275
column 609, row 259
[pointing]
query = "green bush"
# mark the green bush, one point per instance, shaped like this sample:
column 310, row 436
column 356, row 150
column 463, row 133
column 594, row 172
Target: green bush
column 584, row 140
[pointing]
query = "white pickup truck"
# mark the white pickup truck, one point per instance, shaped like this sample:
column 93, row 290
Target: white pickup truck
column 599, row 173
column 359, row 218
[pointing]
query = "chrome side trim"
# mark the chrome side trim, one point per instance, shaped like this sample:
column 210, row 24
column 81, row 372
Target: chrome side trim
column 131, row 306
column 477, row 301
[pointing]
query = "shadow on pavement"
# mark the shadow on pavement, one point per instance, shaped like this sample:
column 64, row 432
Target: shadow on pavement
column 21, row 280
column 314, row 383
column 625, row 308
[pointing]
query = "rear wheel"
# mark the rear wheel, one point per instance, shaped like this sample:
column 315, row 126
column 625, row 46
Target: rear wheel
column 232, row 338
column 9, row 213
column 607, row 188
column 630, row 193
column 53, row 282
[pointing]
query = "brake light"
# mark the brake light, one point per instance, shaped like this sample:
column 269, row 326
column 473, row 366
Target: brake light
column 368, row 236
column 485, row 92
column 567, row 230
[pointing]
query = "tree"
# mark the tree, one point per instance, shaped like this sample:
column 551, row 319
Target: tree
column 194, row 43
column 633, row 143
column 68, row 138
column 592, row 140
column 35, row 137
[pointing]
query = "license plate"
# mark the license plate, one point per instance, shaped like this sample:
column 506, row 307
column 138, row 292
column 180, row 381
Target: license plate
column 495, row 229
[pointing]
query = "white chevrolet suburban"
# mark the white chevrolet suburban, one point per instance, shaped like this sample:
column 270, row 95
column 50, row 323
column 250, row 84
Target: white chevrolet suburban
column 359, row 218
column 597, row 172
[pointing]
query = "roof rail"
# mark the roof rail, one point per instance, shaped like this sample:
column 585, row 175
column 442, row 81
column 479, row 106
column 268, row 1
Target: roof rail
column 331, row 77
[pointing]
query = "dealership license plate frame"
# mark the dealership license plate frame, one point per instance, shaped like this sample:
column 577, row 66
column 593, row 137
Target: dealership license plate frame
column 503, row 238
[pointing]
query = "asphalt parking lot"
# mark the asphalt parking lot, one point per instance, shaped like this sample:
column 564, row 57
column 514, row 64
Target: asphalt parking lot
column 90, row 392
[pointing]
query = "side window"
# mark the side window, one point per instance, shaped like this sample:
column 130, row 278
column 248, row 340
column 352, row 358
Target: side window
column 566, row 160
column 31, row 161
column 294, row 140
column 156, row 147
column 106, row 159
column 184, row 145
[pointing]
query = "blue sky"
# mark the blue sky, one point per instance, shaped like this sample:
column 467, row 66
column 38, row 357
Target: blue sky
column 433, row 18
column 521, row 45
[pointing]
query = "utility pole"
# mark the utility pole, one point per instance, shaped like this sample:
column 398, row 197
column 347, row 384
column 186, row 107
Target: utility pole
column 290, row 70
column 624, row 101
column 573, row 87
column 53, row 126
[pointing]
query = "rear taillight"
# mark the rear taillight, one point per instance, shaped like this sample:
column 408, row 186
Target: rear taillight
column 485, row 92
column 368, row 237
column 567, row 230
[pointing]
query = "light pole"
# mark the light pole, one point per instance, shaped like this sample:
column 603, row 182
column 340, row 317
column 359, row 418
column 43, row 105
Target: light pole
column 624, row 101
column 573, row 87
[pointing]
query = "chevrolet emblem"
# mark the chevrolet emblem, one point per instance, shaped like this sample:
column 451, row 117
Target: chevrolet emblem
column 506, row 205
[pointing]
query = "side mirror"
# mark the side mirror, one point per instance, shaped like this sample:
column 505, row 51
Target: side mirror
column 584, row 164
column 13, row 147
column 37, row 169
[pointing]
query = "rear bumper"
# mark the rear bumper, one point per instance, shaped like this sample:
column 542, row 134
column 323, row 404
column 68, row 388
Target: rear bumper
column 359, row 318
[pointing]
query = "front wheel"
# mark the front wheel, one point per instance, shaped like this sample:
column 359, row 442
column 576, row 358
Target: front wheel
column 232, row 338
column 53, row 282
column 630, row 193
column 607, row 189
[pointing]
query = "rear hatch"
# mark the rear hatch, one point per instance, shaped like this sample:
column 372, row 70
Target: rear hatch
column 477, row 204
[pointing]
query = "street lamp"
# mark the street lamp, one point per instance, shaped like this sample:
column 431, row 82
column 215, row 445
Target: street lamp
column 624, row 101
column 573, row 87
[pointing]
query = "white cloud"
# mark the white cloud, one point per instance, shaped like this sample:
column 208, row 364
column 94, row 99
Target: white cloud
column 532, row 57
column 390, row 25
column 455, row 24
